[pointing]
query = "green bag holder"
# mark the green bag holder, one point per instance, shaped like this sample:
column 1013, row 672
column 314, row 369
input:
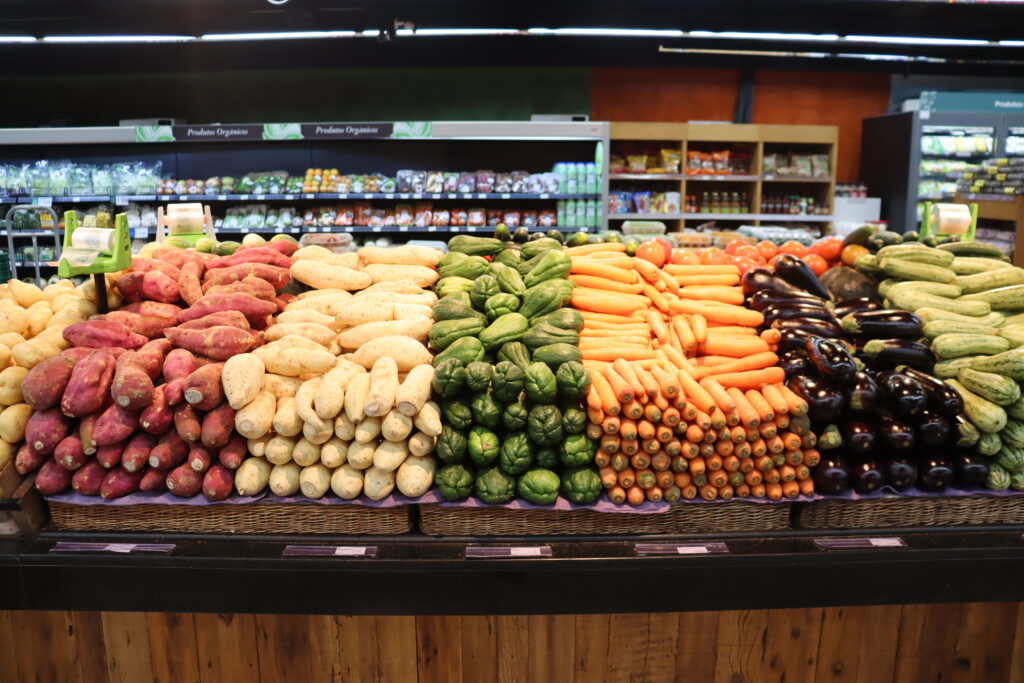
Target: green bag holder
column 926, row 222
column 120, row 258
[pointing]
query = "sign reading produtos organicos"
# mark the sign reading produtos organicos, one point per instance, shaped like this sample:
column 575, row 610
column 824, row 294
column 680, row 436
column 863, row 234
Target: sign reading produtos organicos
column 282, row 131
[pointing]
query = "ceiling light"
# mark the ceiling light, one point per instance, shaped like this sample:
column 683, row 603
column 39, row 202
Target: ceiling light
column 611, row 32
column 908, row 40
column 283, row 35
column 17, row 39
column 462, row 32
column 824, row 37
column 118, row 39
column 1011, row 43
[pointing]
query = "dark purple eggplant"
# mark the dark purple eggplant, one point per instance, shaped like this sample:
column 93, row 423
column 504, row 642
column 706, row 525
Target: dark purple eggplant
column 794, row 362
column 831, row 475
column 971, row 470
column 847, row 306
column 826, row 402
column 886, row 354
column 758, row 279
column 882, row 324
column 794, row 271
column 822, row 328
column 895, row 435
column 942, row 398
column 768, row 297
column 904, row 394
column 862, row 394
column 793, row 340
column 859, row 436
column 796, row 309
column 934, row 472
column 901, row 472
column 932, row 429
column 831, row 359
column 865, row 475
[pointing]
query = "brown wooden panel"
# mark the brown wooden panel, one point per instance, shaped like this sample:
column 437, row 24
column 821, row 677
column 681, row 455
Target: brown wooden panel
column 357, row 649
column 839, row 644
column 439, row 649
column 226, row 648
column 591, row 647
column 879, row 640
column 172, row 647
column 41, row 646
column 984, row 649
column 552, row 647
column 742, row 637
column 300, row 647
column 698, row 635
column 126, row 641
column 513, row 648
column 662, row 652
column 87, row 645
column 791, row 647
column 396, row 648
column 479, row 649
column 927, row 640
column 8, row 650
column 627, row 638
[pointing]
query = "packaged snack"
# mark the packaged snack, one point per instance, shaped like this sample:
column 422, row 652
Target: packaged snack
column 404, row 215
column 285, row 217
column 620, row 201
column 802, row 165
column 511, row 218
column 403, row 181
column 503, row 182
column 346, row 216
column 441, row 217
column 494, row 216
column 692, row 162
column 343, row 185
column 670, row 160
column 270, row 221
column 358, row 184
column 424, row 214
column 390, row 220
column 671, row 204
column 79, row 179
column 328, row 214
column 476, row 216
column 254, row 216
column 521, row 182
column 376, row 218
column 418, row 181
column 434, row 182
column 484, row 181
column 770, row 165
column 467, row 182
column 371, row 183
column 642, row 201
column 637, row 163
column 720, row 162
column 529, row 219
column 231, row 218
column 458, row 217
column 102, row 181
column 549, row 183
column 820, row 166
column 658, row 202
column 362, row 214
column 546, row 218
column 451, row 182
column 227, row 184
column 386, row 184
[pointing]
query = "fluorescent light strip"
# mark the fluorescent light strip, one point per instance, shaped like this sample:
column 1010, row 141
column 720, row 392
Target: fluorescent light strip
column 118, row 39
column 909, row 40
column 1011, row 43
column 609, row 32
column 284, row 35
column 17, row 39
column 461, row 32
column 823, row 37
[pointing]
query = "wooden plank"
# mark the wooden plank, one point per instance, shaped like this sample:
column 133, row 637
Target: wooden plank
column 984, row 647
column 666, row 132
column 126, row 636
column 87, row 646
column 697, row 646
column 552, row 647
column 172, row 647
column 927, row 639
column 839, row 645
column 513, row 648
column 627, row 644
column 356, row 649
column 439, row 649
column 8, row 649
column 303, row 647
column 396, row 648
column 479, row 649
column 40, row 645
column 791, row 649
column 878, row 643
column 590, row 651
column 742, row 636
column 226, row 647
column 662, row 647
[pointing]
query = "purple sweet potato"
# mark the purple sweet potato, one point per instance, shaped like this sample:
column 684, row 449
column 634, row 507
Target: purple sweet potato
column 99, row 334
column 218, row 482
column 113, row 425
column 69, row 453
column 228, row 318
column 218, row 343
column 252, row 308
column 277, row 277
column 218, row 425
column 76, row 353
column 85, row 427
column 286, row 247
column 132, row 388
column 88, row 479
column 148, row 326
column 153, row 480
column 156, row 418
column 232, row 454
column 135, row 455
column 52, row 478
column 174, row 391
column 27, row 460
column 45, row 383
column 176, row 257
column 144, row 265
column 189, row 283
column 153, row 309
column 179, row 364
column 260, row 254
column 160, row 287
column 45, row 429
column 259, row 288
column 199, row 458
column 89, row 386
column 120, row 482
column 186, row 422
column 170, row 451
column 183, row 481
column 203, row 388
column 151, row 356
column 111, row 455
column 130, row 286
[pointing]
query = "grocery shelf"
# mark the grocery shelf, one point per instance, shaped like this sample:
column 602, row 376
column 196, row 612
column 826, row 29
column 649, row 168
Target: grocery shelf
column 121, row 199
column 780, row 217
column 390, row 229
column 734, row 178
column 646, row 176
column 795, row 179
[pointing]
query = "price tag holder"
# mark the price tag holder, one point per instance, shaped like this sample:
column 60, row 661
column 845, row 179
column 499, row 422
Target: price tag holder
column 259, row 197
column 452, row 195
column 289, row 197
column 860, row 543
column 544, row 195
column 680, row 548
column 367, row 195
column 435, row 196
column 310, row 195
column 119, row 548
column 375, row 228
column 503, row 551
column 120, row 200
column 389, row 195
column 243, row 197
column 417, row 195
column 506, row 195
column 329, row 551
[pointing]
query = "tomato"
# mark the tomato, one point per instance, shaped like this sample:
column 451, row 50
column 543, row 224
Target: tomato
column 651, row 251
column 850, row 253
column 771, row 261
column 734, row 245
column 816, row 263
column 793, row 247
column 714, row 257
column 767, row 249
column 828, row 248
column 745, row 264
column 748, row 251
column 685, row 257
column 665, row 245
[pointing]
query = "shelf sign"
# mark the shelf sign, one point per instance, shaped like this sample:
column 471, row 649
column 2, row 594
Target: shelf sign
column 860, row 542
column 932, row 100
column 336, row 131
column 217, row 132
column 500, row 551
column 329, row 551
column 284, row 131
column 680, row 548
column 119, row 548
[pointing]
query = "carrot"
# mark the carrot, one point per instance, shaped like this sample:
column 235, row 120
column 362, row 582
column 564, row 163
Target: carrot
column 738, row 346
column 743, row 491
column 682, row 479
column 602, row 303
column 637, row 300
column 645, row 430
column 654, row 494
column 672, row 493
column 596, row 268
column 670, row 282
column 674, row 448
column 595, row 415
column 790, row 441
column 747, row 413
column 698, row 466
column 722, row 399
column 617, row 495
column 772, row 336
column 732, row 418
column 764, row 463
column 688, row 412
column 594, row 282
column 594, row 316
column 656, row 297
column 609, row 443
column 731, row 463
column 787, row 473
column 726, row 492
column 711, row 280
column 660, row 462
column 797, row 406
column 670, row 417
column 586, row 249
column 775, row 444
column 758, row 491
column 679, row 269
column 747, row 434
column 759, row 448
column 675, row 356
column 774, row 490
column 699, row 324
column 639, row 341
column 594, row 431
column 764, row 410
column 663, row 433
column 782, row 420
column 753, row 477
column 726, row 295
column 621, row 387
column 640, row 461
column 708, row 492
column 661, row 403
column 647, row 270
column 809, row 440
column 714, row 462
column 652, row 413
column 627, row 478
column 718, row 420
column 743, row 451
column 807, row 487
column 802, row 472
column 646, row 379
column 791, row 489
column 620, row 462
column 610, row 353
column 600, row 385
column 753, row 379
column 711, row 436
column 775, row 399
column 610, row 424
column 668, row 384
column 635, row 495
column 702, row 419
column 602, row 459
column 627, row 430
column 690, row 449
column 718, row 478
column 696, row 393
column 689, row 492
column 630, row 447
column 634, row 410
column 778, row 458
column 686, row 337
column 609, row 477
column 646, row 479
column 657, row 325
column 623, row 331
column 720, row 330
column 811, row 457
column 768, row 429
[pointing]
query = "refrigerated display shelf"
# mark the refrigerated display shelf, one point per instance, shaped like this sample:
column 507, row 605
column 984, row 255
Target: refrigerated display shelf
column 413, row 196
column 646, row 176
column 796, row 179
column 811, row 218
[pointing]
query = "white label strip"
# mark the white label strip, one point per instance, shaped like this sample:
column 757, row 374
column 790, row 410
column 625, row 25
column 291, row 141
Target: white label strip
column 329, row 551
column 120, row 548
column 680, row 548
column 859, row 542
column 492, row 552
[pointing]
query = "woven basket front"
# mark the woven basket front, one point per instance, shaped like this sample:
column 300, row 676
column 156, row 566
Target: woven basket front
column 908, row 512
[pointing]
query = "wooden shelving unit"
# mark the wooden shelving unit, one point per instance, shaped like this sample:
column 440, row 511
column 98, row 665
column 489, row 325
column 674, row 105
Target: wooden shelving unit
column 1006, row 210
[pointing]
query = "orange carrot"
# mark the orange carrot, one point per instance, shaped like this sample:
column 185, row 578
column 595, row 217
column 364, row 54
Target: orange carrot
column 644, row 429
column 594, row 282
column 726, row 295
column 718, row 420
column 636, row 300
column 660, row 402
column 634, row 410
column 595, row 415
column 627, row 430
column 617, row 495
column 731, row 463
column 675, row 356
column 732, row 418
column 622, row 331
column 670, row 417
column 748, row 415
column 656, row 297
column 674, row 448
column 747, row 434
column 586, row 249
column 627, row 477
column 640, row 461
column 638, row 342
column 685, row 332
column 697, row 394
column 791, row 489
column 775, row 399
column 768, row 429
column 725, row 448
column 722, row 399
column 772, row 336
column 688, row 412
column 679, row 269
column 764, row 410
column 797, row 406
column 802, row 471
column 787, row 473
column 754, row 379
column 743, row 491
column 609, row 403
column 702, row 419
column 809, row 440
column 743, row 451
column 713, row 311
column 594, row 431
column 647, row 270
column 720, row 330
column 635, row 495
column 660, row 461
column 602, row 459
column 775, row 444
column 654, row 494
column 603, row 303
column 611, row 352
column 811, row 457
column 807, row 487
column 610, row 424
column 718, row 477
column 668, row 384
column 737, row 346
column 753, row 477
column 782, row 420
column 630, row 446
column 699, row 324
column 790, row 441
column 670, row 282
column 657, row 325
column 594, row 267
column 758, row 491
column 794, row 458
column 663, row 433
column 726, row 492
column 708, row 492
column 623, row 390
column 646, row 379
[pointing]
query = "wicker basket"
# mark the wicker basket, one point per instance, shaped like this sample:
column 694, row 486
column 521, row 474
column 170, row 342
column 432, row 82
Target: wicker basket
column 736, row 516
column 902, row 511
column 254, row 518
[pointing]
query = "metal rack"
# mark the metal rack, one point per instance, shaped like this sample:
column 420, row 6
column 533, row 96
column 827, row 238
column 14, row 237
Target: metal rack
column 34, row 235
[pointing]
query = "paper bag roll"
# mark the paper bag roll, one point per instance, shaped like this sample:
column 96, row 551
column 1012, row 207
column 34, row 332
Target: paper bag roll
column 950, row 219
column 94, row 239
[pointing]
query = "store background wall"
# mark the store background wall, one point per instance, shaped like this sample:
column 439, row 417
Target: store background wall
column 782, row 97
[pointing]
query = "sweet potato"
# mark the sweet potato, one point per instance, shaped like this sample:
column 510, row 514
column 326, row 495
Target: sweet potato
column 421, row 275
column 255, row 310
column 135, row 455
column 232, row 454
column 320, row 275
column 279, row 385
column 189, row 284
column 45, row 383
column 228, row 318
column 183, row 481
column 120, row 482
column 286, row 247
column 277, row 277
column 174, row 391
column 285, row 359
column 307, row 316
column 154, row 309
column 203, row 388
column 315, row 252
column 256, row 418
column 148, row 326
column 89, row 385
column 153, row 480
column 257, row 287
column 218, row 343
column 199, row 458
column 151, row 356
column 408, row 255
column 85, row 427
column 13, row 421
column 173, row 255
column 218, row 425
column 27, row 460
column 132, row 388
column 218, row 482
column 130, row 286
column 408, row 353
column 77, row 353
column 88, row 479
column 320, row 334
column 179, row 364
column 45, row 429
column 160, row 287
column 109, row 456
column 114, row 424
column 415, row 327
column 375, row 311
column 186, row 422
column 144, row 265
column 69, row 454
column 156, row 418
column 99, row 334
column 52, row 478
column 252, row 476
column 170, row 451
column 260, row 254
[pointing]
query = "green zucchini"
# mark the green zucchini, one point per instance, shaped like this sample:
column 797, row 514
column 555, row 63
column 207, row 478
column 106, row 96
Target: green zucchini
column 985, row 415
column 955, row 345
column 990, row 386
column 928, row 314
column 924, row 287
column 1013, row 433
column 1015, row 319
column 910, row 300
column 1016, row 409
column 1003, row 299
column 967, row 434
column 867, row 263
column 992, row 279
column 1013, row 334
column 949, row 369
column 918, row 253
column 884, row 285
column 1010, row 457
column 972, row 265
column 988, row 444
column 972, row 249
column 1009, row 363
column 908, row 270
column 937, row 328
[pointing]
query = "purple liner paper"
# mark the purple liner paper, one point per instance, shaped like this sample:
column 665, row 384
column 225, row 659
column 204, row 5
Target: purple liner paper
column 914, row 492
column 605, row 505
column 148, row 498
column 394, row 500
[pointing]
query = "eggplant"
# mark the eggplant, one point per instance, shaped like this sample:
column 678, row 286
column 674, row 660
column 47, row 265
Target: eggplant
column 794, row 271
column 900, row 472
column 932, row 429
column 794, row 362
column 847, row 306
column 831, row 475
column 903, row 393
column 793, row 339
column 859, row 436
column 786, row 310
column 895, row 434
column 831, row 359
column 886, row 354
column 862, row 394
column 942, row 398
column 865, row 475
column 826, row 402
column 768, row 297
column 882, row 324
column 971, row 470
column 822, row 328
column 757, row 279
column 934, row 472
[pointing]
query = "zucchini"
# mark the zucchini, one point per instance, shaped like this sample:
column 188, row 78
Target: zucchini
column 885, row 284
column 1016, row 319
column 956, row 345
column 990, row 386
column 867, row 263
column 1009, row 363
column 918, row 253
column 949, row 369
column 967, row 434
column 1013, row 334
column 1003, row 299
column 985, row 415
column 972, row 265
column 940, row 327
column 992, row 279
column 988, row 444
column 1013, row 433
column 972, row 249
column 908, row 270
column 910, row 300
column 1016, row 409
column 924, row 287
column 929, row 314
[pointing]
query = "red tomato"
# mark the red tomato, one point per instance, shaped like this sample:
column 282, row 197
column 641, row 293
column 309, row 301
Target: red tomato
column 685, row 257
column 828, row 248
column 793, row 247
column 665, row 245
column 767, row 249
column 816, row 263
column 734, row 245
column 748, row 251
column 651, row 251
column 745, row 264
column 771, row 261
column 714, row 257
